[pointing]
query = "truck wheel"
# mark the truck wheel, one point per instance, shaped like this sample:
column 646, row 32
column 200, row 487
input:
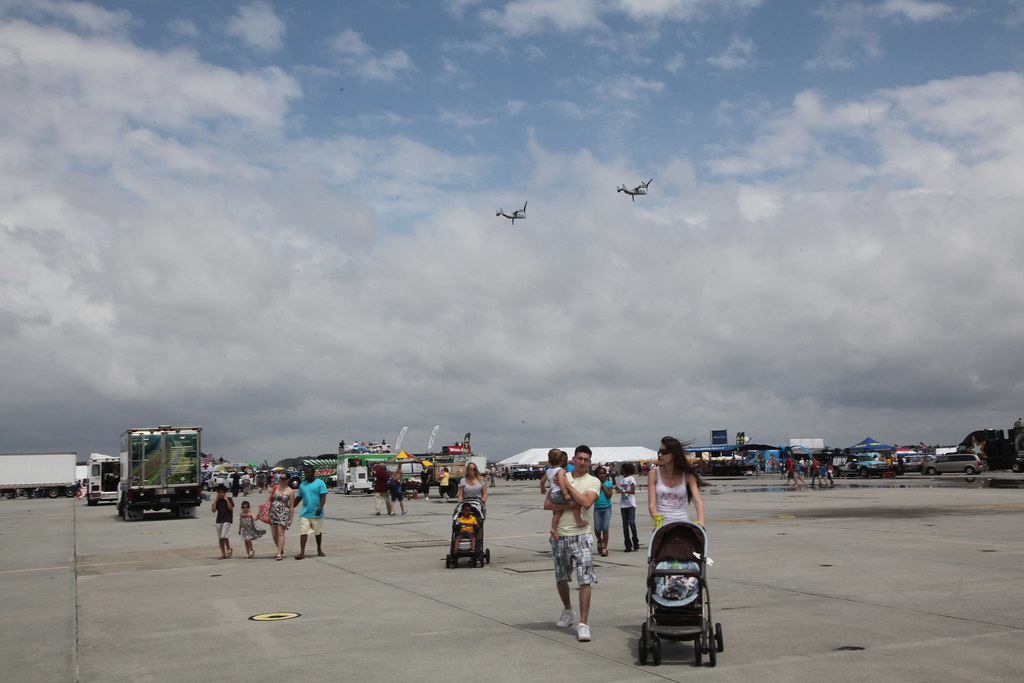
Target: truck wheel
column 1016, row 467
column 69, row 492
column 53, row 492
column 863, row 473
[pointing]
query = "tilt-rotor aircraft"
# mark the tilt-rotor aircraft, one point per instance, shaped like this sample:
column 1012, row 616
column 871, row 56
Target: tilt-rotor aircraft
column 518, row 213
column 640, row 189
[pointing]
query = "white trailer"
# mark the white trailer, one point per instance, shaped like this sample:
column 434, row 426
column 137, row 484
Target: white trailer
column 38, row 474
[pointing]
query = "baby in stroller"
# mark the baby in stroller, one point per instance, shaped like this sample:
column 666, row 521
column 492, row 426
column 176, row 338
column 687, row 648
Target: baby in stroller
column 678, row 600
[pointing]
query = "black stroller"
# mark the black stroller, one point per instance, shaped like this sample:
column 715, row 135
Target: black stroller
column 460, row 547
column 678, row 603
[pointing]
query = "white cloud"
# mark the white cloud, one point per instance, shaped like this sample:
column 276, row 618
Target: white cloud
column 850, row 38
column 915, row 10
column 461, row 119
column 183, row 27
column 514, row 107
column 368, row 63
column 684, row 9
column 257, row 26
column 82, row 15
column 521, row 17
column 676, row 62
column 739, row 54
column 628, row 88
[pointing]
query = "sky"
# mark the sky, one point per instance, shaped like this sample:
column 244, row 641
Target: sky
column 276, row 220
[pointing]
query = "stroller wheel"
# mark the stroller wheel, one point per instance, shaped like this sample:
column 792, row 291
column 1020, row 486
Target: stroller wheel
column 712, row 652
column 642, row 644
column 487, row 555
column 656, row 651
column 447, row 561
column 697, row 651
column 719, row 641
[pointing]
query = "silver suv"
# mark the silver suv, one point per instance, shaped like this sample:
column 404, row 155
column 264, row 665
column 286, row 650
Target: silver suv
column 968, row 463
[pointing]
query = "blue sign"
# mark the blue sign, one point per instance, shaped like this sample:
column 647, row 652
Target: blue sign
column 719, row 437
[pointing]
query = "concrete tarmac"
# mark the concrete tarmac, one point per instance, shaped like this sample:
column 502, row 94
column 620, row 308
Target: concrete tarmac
column 916, row 579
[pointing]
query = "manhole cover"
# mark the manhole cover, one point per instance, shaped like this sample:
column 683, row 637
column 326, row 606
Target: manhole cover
column 274, row 616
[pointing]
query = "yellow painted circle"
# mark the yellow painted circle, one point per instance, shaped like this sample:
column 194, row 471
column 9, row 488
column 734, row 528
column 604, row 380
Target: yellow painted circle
column 787, row 516
column 274, row 616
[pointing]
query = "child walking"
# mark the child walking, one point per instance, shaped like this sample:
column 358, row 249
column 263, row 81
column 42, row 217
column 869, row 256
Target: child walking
column 555, row 478
column 247, row 529
column 223, row 506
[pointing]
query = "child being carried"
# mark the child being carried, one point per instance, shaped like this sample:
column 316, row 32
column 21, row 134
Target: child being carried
column 555, row 477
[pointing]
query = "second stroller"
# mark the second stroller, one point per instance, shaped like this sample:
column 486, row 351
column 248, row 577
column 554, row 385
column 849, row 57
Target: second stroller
column 468, row 535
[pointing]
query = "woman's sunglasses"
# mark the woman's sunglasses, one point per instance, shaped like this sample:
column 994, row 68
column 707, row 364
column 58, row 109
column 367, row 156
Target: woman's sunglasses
column 663, row 451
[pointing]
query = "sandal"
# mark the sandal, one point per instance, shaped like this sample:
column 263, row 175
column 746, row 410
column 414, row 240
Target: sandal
column 279, row 558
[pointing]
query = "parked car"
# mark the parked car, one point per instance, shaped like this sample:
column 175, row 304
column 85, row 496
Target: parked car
column 912, row 463
column 968, row 463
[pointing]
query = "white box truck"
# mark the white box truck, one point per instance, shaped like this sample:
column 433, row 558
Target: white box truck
column 160, row 470
column 104, row 475
column 38, row 474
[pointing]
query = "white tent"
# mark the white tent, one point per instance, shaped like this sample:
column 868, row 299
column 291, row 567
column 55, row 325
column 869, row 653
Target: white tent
column 601, row 455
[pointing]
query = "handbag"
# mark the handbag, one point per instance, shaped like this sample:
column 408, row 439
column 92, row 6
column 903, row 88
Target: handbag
column 264, row 513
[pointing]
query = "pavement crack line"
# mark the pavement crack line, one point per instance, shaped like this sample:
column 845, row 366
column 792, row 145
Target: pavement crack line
column 74, row 570
column 494, row 620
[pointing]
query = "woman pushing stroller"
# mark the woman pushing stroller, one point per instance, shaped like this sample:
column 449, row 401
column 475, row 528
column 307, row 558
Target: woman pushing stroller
column 673, row 484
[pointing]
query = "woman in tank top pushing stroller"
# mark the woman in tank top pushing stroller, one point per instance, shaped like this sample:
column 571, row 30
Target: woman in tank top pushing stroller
column 673, row 484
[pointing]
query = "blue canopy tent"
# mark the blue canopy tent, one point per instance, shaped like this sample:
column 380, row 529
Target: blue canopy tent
column 870, row 444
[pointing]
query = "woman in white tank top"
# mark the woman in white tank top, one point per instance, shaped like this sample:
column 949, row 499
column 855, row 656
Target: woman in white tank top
column 673, row 484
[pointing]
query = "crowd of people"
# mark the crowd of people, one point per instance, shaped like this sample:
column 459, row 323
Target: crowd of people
column 580, row 504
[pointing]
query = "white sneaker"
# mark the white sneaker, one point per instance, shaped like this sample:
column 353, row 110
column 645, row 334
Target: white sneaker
column 565, row 619
column 583, row 633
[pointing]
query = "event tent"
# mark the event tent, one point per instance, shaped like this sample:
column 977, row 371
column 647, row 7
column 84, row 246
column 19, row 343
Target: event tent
column 870, row 444
column 601, row 454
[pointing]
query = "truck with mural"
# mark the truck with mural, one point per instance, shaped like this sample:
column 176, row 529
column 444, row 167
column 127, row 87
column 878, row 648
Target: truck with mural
column 43, row 475
column 160, row 470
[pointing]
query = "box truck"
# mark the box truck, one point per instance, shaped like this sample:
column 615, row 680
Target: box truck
column 160, row 470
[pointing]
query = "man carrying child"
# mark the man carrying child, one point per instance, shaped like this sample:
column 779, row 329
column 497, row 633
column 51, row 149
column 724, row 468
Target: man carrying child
column 571, row 543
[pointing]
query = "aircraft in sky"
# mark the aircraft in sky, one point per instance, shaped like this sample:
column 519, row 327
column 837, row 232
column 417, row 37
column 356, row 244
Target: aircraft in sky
column 640, row 189
column 518, row 213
